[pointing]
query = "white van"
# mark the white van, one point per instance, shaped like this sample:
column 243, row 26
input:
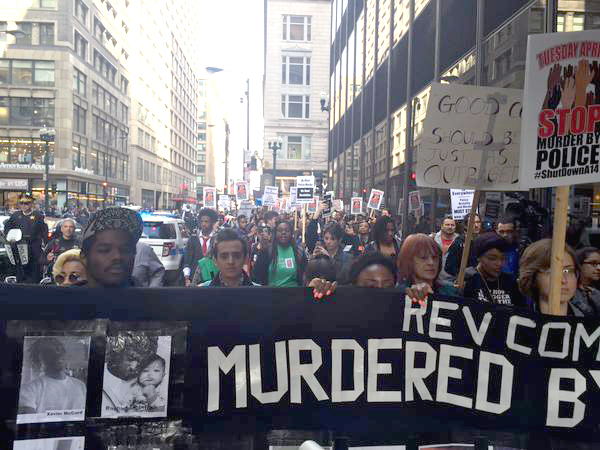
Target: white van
column 168, row 237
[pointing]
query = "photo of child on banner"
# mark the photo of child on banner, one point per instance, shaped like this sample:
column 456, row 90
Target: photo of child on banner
column 136, row 375
column 375, row 199
column 53, row 379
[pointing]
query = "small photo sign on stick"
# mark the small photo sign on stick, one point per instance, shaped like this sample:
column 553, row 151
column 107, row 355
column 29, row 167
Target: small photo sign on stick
column 241, row 191
column 375, row 199
column 356, row 204
column 210, row 197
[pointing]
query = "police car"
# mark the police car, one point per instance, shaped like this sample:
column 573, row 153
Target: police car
column 168, row 237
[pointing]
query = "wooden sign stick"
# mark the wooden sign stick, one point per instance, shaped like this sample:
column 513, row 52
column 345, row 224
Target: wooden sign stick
column 559, row 235
column 304, row 224
column 460, row 279
column 295, row 218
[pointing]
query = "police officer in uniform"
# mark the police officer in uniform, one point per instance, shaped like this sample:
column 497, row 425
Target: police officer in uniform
column 35, row 233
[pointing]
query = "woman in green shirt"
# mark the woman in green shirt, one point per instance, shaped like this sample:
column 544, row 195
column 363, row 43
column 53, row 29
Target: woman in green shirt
column 283, row 264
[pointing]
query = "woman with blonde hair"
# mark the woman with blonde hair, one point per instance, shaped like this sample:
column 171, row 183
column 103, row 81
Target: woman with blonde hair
column 69, row 270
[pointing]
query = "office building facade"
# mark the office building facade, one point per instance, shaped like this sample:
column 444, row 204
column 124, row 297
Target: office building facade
column 364, row 152
column 63, row 65
column 296, row 73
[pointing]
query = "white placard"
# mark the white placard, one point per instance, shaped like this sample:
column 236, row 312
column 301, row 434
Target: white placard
column 414, row 200
column 375, row 199
column 241, row 191
column 270, row 195
column 293, row 196
column 224, row 201
column 471, row 138
column 305, row 188
column 210, row 197
column 561, row 112
column 461, row 201
column 356, row 204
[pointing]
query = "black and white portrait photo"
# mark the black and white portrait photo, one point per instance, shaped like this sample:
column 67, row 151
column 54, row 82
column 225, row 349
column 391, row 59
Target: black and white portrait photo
column 136, row 376
column 53, row 379
column 64, row 443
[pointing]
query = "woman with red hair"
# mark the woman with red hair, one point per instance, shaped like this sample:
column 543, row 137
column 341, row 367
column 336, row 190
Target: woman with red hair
column 419, row 264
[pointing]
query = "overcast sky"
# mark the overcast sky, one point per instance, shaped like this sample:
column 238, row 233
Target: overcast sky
column 231, row 37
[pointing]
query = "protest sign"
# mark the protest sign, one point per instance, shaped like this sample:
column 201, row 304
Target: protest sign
column 561, row 138
column 414, row 200
column 386, row 365
column 471, row 138
column 210, row 197
column 224, row 201
column 311, row 207
column 270, row 195
column 306, row 188
column 338, row 205
column 328, row 199
column 293, row 196
column 356, row 204
column 241, row 191
column 493, row 204
column 461, row 201
column 375, row 199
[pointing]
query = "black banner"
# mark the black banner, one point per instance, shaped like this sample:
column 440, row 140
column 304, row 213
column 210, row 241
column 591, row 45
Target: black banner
column 362, row 362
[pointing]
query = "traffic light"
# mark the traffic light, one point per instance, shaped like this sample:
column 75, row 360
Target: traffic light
column 413, row 176
column 105, row 184
column 225, row 188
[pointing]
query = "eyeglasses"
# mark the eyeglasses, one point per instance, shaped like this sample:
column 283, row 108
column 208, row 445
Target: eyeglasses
column 73, row 278
column 593, row 264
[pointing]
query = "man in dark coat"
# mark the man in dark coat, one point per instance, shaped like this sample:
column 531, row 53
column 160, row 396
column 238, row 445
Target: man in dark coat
column 35, row 233
column 199, row 245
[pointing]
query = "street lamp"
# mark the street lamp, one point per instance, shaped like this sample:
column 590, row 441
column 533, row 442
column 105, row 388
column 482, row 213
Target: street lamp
column 47, row 135
column 275, row 146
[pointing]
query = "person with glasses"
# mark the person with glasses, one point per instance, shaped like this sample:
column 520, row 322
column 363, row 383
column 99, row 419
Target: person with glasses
column 68, row 269
column 35, row 233
column 588, row 260
column 534, row 279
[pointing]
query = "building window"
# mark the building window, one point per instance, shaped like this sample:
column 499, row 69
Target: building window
column 81, row 11
column 295, row 106
column 79, row 156
column 79, row 82
column 47, row 3
column 140, row 169
column 46, row 33
column 27, row 111
column 294, row 147
column 295, row 70
column 578, row 22
column 560, row 22
column 79, row 115
column 106, row 69
column 296, row 28
column 26, row 72
column 81, row 46
column 24, row 39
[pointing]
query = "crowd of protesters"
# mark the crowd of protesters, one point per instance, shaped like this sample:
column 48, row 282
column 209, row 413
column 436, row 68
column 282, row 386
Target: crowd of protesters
column 268, row 249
